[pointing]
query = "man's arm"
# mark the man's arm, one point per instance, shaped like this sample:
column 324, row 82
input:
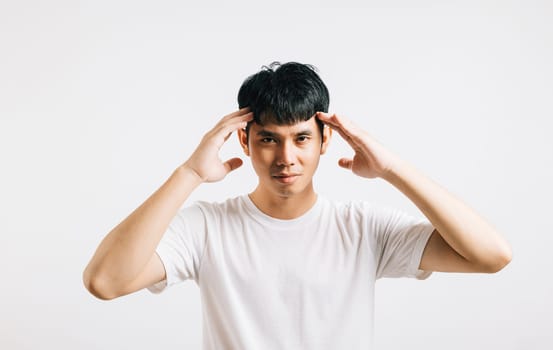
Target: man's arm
column 462, row 241
column 125, row 260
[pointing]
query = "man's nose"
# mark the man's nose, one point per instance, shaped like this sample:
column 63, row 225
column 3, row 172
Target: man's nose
column 286, row 155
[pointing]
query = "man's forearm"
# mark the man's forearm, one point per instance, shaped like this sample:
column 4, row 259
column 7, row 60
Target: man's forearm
column 460, row 226
column 124, row 252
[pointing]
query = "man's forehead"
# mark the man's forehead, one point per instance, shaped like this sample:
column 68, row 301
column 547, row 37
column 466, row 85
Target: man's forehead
column 307, row 125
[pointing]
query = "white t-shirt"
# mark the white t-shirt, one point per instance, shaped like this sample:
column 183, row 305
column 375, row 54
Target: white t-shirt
column 305, row 283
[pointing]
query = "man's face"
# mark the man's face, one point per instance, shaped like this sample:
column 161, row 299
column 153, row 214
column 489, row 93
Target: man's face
column 285, row 157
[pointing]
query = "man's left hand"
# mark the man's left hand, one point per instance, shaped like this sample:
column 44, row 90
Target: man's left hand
column 371, row 158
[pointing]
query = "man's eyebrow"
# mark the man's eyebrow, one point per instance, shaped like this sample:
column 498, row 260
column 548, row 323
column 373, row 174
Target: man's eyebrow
column 267, row 133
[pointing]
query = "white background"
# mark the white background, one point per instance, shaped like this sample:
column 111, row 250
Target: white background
column 101, row 100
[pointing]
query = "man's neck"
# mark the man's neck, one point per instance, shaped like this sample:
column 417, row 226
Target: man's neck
column 283, row 207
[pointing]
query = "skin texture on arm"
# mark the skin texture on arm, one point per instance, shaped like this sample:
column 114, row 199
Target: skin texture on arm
column 462, row 240
column 125, row 260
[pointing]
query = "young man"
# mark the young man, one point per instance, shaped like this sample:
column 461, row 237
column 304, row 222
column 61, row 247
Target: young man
column 282, row 267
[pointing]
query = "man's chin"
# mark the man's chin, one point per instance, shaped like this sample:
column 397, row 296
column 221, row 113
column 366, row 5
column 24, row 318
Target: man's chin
column 286, row 191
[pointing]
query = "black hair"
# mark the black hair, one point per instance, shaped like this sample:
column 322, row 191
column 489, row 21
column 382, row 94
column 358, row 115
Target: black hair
column 284, row 94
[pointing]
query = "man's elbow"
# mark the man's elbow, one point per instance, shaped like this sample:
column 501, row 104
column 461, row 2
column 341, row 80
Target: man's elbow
column 97, row 288
column 501, row 259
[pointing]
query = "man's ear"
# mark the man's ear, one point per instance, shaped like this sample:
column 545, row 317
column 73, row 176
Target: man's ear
column 327, row 135
column 243, row 139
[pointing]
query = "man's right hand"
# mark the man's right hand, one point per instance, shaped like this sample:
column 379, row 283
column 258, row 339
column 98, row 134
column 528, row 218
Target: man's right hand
column 125, row 261
column 205, row 161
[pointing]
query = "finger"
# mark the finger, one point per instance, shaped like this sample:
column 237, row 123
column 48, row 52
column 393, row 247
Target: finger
column 232, row 164
column 238, row 113
column 345, row 163
column 229, row 128
column 333, row 121
column 236, row 118
column 327, row 118
column 223, row 125
column 242, row 110
column 345, row 127
column 248, row 116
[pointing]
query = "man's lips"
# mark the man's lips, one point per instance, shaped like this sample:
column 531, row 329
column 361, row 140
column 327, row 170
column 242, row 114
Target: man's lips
column 285, row 174
column 286, row 177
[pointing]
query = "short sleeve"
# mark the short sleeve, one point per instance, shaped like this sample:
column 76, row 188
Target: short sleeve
column 399, row 241
column 181, row 248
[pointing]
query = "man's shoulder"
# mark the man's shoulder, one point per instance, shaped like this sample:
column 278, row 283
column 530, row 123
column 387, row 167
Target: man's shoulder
column 231, row 204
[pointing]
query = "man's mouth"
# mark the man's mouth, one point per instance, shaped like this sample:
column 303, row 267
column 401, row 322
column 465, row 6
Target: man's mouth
column 286, row 177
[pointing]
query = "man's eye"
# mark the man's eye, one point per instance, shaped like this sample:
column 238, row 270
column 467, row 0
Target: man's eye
column 303, row 139
column 267, row 140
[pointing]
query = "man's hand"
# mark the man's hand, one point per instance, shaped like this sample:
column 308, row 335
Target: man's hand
column 371, row 159
column 462, row 241
column 205, row 161
column 125, row 261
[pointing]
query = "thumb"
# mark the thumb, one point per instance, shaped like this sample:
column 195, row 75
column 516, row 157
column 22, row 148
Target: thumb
column 232, row 164
column 345, row 163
